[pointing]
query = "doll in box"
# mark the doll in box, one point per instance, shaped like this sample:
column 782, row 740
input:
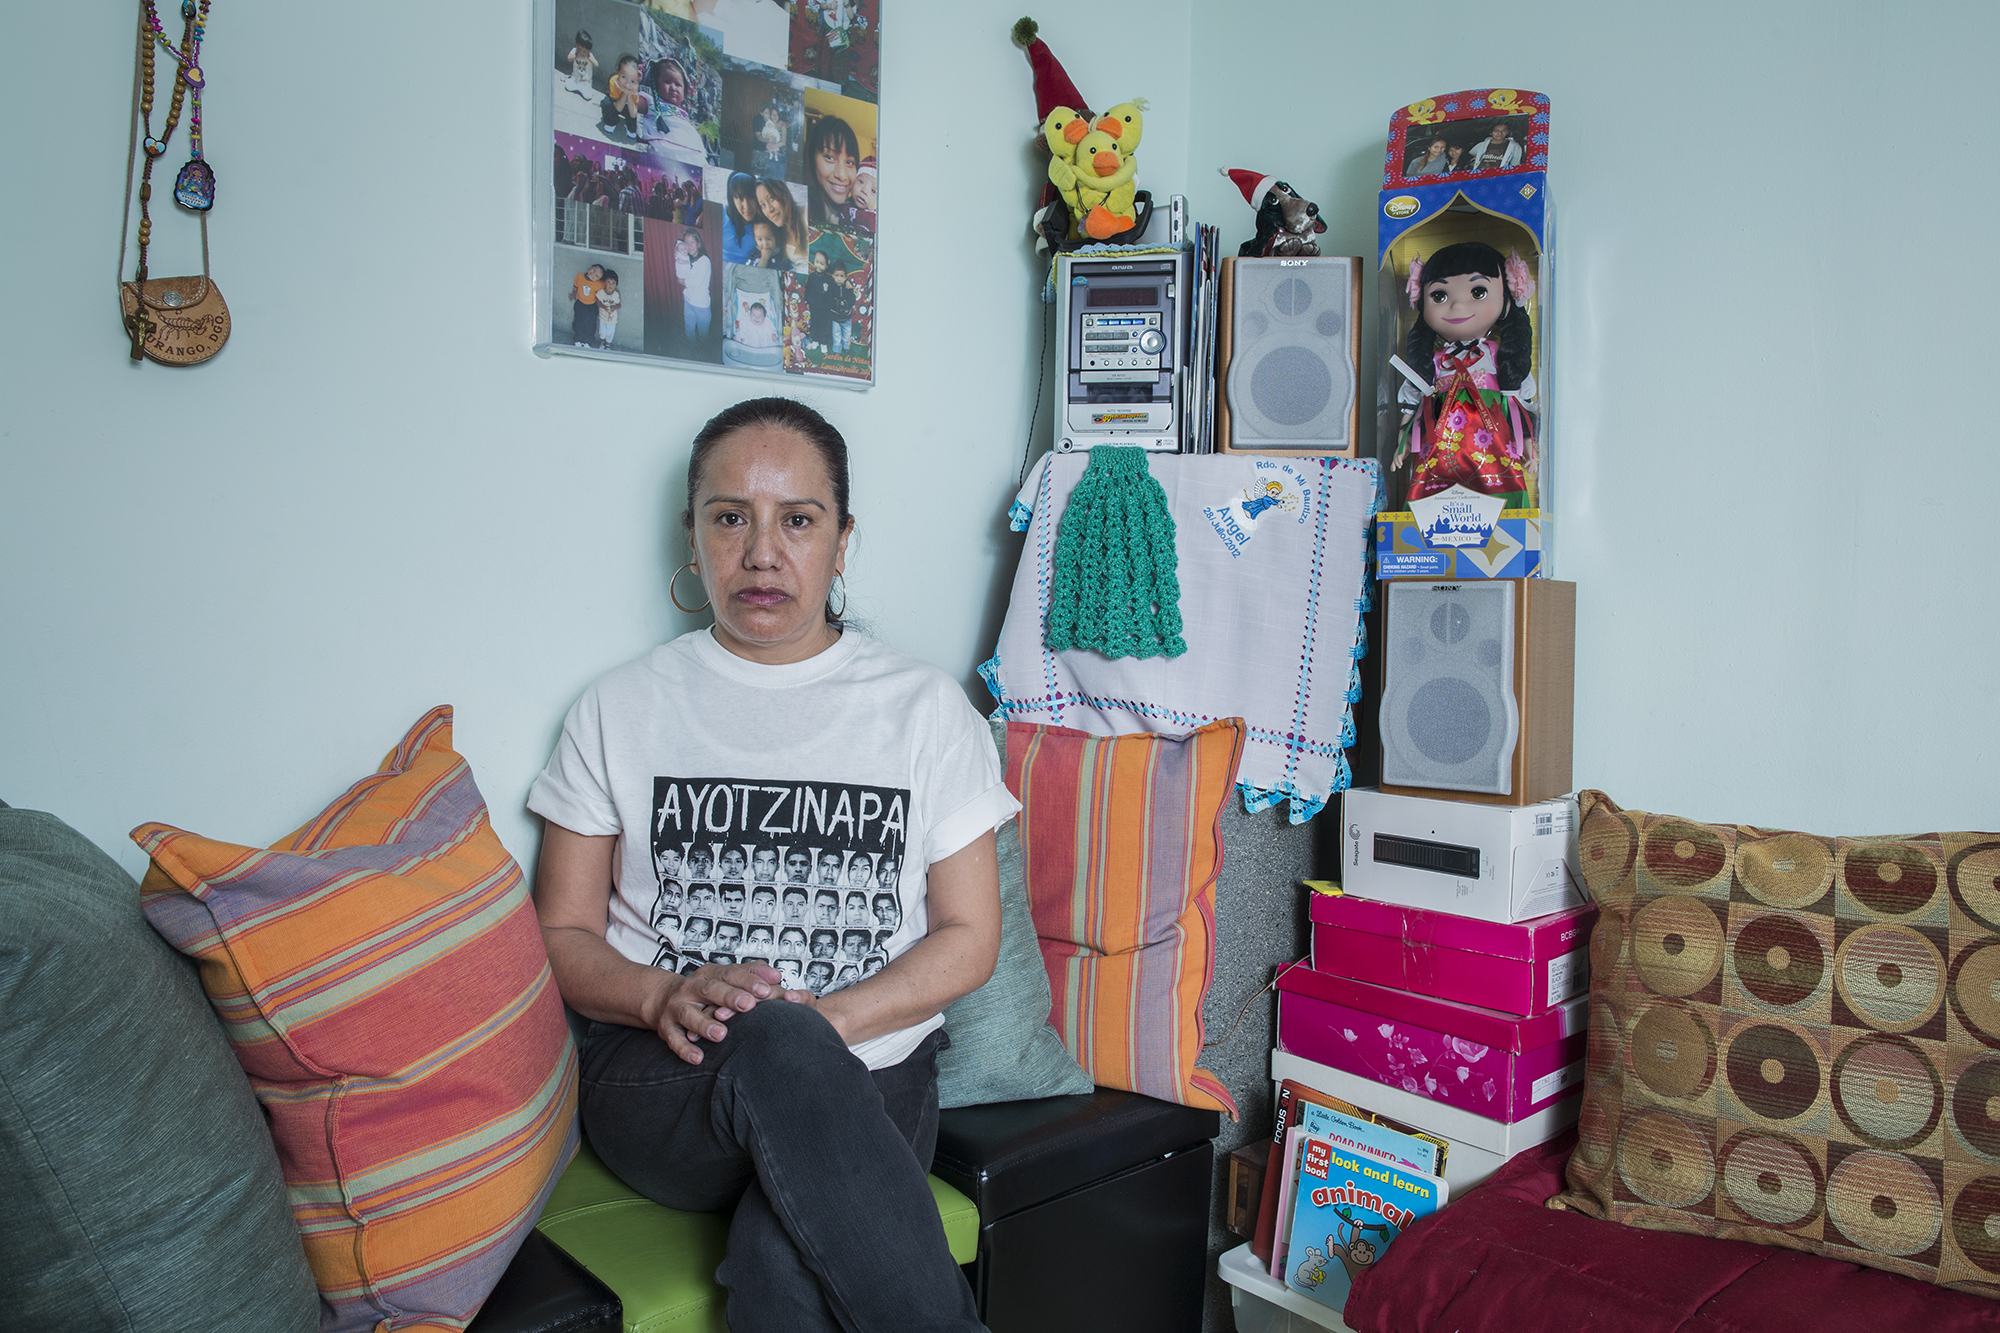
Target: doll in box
column 1469, row 386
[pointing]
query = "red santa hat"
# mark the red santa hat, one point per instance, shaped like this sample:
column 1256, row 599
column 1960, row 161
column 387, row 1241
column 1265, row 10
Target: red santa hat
column 1052, row 82
column 1254, row 185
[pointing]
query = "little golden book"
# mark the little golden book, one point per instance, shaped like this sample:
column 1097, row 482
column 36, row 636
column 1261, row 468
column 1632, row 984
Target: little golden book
column 1348, row 1211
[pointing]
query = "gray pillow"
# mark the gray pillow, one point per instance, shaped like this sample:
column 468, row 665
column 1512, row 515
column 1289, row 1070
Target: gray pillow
column 1002, row 1047
column 141, row 1189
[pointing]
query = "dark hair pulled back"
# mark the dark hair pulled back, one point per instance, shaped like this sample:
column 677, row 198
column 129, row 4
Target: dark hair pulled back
column 783, row 414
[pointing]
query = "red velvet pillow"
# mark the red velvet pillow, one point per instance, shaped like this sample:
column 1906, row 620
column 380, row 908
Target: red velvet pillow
column 1496, row 1260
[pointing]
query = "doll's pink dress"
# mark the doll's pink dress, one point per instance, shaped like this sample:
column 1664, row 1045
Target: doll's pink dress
column 1468, row 433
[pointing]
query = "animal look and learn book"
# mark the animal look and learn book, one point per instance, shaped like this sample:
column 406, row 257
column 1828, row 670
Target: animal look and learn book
column 1427, row 1153
column 1349, row 1210
column 1382, row 1145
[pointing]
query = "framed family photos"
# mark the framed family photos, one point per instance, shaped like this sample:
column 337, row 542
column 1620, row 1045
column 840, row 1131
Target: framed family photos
column 706, row 183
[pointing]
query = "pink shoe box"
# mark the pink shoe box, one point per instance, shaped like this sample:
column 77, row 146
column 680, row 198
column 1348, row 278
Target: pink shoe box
column 1497, row 1065
column 1527, row 968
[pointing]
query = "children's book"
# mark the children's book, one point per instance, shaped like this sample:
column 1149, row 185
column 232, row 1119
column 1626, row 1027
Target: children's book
column 1348, row 1210
column 1367, row 1137
column 1288, row 1172
column 1440, row 1146
column 1349, row 1134
column 1267, row 1206
column 1389, row 1139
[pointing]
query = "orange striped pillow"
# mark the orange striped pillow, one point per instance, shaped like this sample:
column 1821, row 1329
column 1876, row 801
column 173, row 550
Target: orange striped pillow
column 1122, row 837
column 381, row 976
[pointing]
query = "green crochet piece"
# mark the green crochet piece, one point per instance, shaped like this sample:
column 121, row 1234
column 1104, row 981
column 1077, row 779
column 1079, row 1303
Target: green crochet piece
column 1116, row 588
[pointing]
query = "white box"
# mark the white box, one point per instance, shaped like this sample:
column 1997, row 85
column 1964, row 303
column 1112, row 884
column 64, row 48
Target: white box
column 1479, row 1147
column 1491, row 862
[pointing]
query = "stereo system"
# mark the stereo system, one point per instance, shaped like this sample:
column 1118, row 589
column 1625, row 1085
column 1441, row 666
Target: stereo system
column 1478, row 688
column 1124, row 331
column 1288, row 356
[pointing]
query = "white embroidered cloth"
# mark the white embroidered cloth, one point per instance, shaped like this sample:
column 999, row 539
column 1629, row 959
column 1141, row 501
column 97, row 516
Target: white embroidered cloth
column 1273, row 569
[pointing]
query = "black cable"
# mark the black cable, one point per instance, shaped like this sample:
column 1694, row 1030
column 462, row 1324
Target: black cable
column 1035, row 413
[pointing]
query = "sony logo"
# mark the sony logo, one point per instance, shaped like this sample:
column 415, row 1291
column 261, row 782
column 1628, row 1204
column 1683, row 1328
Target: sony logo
column 1291, row 263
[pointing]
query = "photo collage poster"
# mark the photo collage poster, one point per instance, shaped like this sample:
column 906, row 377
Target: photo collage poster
column 804, row 877
column 715, row 182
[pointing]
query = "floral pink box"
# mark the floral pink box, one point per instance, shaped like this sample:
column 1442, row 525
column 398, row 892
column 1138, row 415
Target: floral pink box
column 1527, row 968
column 1497, row 1065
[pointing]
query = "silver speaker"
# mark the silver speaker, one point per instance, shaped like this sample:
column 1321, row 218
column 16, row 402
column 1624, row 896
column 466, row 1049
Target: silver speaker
column 1289, row 382
column 1449, row 713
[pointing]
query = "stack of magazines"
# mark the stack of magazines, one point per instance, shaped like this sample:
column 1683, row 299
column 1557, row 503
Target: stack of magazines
column 1198, row 384
column 1342, row 1185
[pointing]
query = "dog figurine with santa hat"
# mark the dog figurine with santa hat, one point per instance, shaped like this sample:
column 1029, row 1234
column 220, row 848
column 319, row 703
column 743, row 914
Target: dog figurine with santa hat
column 1287, row 221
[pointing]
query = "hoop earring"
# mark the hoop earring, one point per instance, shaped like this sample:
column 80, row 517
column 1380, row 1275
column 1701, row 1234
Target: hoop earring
column 842, row 580
column 674, row 597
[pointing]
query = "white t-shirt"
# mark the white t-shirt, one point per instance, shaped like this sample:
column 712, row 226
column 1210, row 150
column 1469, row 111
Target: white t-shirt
column 1488, row 158
column 784, row 813
column 693, row 273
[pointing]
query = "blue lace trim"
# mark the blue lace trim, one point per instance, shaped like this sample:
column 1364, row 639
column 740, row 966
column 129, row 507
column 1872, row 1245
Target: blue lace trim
column 989, row 671
column 1303, row 806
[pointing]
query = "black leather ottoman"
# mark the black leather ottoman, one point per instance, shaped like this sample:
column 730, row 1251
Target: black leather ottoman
column 1093, row 1210
column 546, row 1291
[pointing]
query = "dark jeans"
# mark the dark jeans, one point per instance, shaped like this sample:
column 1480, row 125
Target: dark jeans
column 609, row 116
column 825, row 1162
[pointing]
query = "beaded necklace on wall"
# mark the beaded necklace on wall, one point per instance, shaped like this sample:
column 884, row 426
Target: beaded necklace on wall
column 195, row 186
column 176, row 321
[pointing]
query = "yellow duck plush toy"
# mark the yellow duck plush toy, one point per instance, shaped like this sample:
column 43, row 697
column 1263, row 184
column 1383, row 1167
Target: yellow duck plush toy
column 1091, row 169
column 1125, row 123
column 1063, row 130
column 1101, row 198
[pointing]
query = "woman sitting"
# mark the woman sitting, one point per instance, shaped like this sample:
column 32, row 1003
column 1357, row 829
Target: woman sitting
column 707, row 1082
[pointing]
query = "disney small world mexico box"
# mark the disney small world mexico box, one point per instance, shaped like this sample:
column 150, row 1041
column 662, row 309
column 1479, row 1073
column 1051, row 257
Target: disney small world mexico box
column 1508, row 548
column 1463, row 228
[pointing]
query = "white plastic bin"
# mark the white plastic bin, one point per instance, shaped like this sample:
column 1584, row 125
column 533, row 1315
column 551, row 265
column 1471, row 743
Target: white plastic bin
column 1262, row 1304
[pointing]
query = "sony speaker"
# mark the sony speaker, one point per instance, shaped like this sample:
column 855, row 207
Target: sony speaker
column 1287, row 355
column 1478, row 689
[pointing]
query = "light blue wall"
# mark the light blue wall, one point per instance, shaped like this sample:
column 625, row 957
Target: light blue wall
column 1777, row 292
column 225, row 592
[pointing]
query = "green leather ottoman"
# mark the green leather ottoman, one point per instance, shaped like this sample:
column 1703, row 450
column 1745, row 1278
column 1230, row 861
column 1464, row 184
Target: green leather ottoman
column 662, row 1263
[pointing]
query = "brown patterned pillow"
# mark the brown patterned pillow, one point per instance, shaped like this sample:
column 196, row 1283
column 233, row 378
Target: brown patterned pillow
column 1795, row 1040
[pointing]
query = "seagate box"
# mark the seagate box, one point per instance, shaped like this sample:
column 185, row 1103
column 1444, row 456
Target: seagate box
column 1502, row 863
